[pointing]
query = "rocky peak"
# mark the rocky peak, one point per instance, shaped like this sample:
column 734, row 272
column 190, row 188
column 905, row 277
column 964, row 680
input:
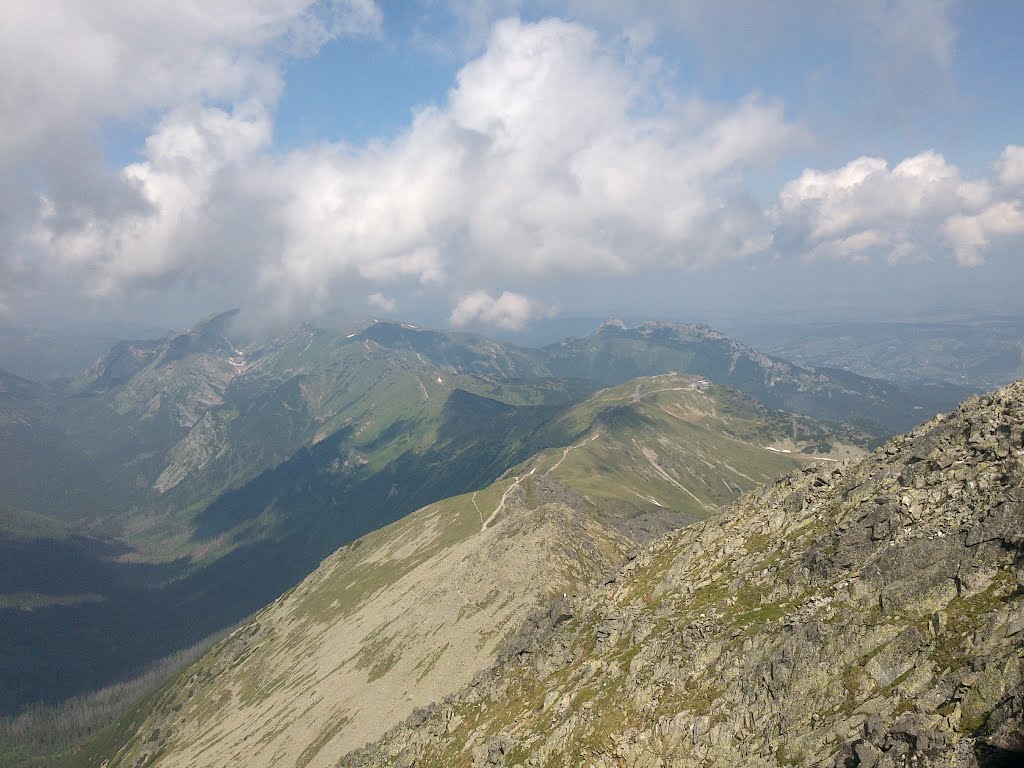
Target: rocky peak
column 119, row 365
column 209, row 336
column 611, row 325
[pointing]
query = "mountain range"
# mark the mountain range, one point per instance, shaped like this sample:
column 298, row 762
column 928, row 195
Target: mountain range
column 860, row 612
column 178, row 485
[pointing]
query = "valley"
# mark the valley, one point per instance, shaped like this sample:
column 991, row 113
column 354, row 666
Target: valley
column 407, row 614
column 511, row 384
column 227, row 470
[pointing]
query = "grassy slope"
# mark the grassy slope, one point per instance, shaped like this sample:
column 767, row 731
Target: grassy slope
column 661, row 448
column 262, row 538
column 427, row 600
column 392, row 621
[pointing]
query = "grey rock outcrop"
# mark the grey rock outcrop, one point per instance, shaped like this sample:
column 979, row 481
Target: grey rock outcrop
column 864, row 614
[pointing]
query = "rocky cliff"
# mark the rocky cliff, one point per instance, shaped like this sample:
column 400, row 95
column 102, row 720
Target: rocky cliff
column 865, row 614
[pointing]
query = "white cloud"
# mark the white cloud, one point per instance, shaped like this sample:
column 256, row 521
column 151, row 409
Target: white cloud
column 67, row 61
column 511, row 311
column 556, row 154
column 915, row 210
column 185, row 158
column 1011, row 166
column 380, row 301
column 542, row 162
column 971, row 236
column 71, row 68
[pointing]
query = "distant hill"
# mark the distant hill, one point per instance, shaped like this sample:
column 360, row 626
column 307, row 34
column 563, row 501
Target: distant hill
column 978, row 354
column 614, row 353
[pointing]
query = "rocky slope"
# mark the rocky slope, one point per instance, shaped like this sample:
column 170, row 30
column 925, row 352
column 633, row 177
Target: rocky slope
column 218, row 472
column 868, row 614
column 411, row 612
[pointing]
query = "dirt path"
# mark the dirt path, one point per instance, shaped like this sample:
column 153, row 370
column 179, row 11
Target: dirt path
column 504, row 497
column 482, row 526
column 565, row 452
column 638, row 396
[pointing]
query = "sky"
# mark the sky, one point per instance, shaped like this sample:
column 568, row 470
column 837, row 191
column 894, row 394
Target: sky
column 497, row 164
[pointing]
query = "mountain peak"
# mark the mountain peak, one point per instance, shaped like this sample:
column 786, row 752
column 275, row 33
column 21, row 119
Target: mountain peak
column 15, row 386
column 685, row 330
column 218, row 322
column 611, row 324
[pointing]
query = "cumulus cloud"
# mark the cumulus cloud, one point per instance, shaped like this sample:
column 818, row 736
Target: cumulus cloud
column 68, row 63
column 971, row 235
column 921, row 207
column 511, row 311
column 557, row 153
column 72, row 68
column 554, row 154
column 380, row 301
column 186, row 155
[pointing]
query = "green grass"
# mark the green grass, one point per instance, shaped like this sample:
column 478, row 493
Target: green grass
column 354, row 579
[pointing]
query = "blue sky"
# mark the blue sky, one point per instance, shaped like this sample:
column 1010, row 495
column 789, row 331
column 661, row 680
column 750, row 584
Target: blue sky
column 492, row 164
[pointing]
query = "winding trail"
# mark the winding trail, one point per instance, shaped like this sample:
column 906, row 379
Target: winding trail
column 482, row 526
column 504, row 497
column 638, row 395
column 565, row 452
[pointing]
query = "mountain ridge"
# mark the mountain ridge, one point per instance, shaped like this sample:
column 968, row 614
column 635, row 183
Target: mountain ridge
column 543, row 512
column 202, row 458
column 857, row 615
